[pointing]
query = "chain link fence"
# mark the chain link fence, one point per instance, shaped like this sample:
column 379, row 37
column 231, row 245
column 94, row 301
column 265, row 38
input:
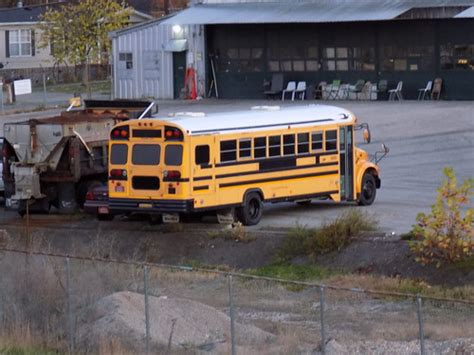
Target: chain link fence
column 98, row 305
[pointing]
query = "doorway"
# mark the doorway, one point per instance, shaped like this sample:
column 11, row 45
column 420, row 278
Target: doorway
column 179, row 71
column 346, row 157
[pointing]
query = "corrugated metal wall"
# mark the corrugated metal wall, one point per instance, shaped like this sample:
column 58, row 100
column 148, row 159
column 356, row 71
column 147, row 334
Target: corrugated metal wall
column 151, row 74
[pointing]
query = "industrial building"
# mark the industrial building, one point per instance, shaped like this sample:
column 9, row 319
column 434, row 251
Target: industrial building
column 240, row 44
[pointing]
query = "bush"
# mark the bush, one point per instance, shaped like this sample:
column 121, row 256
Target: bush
column 445, row 235
column 332, row 236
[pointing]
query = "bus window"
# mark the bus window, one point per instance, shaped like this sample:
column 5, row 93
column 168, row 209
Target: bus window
column 303, row 143
column 173, row 154
column 317, row 141
column 119, row 154
column 331, row 140
column 201, row 155
column 146, row 154
column 260, row 147
column 245, row 148
column 274, row 146
column 288, row 144
column 229, row 150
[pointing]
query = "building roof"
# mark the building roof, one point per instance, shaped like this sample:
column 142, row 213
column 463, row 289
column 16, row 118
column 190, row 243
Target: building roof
column 469, row 13
column 260, row 119
column 307, row 11
column 21, row 14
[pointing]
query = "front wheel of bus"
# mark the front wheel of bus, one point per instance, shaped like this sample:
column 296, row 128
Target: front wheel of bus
column 251, row 212
column 368, row 190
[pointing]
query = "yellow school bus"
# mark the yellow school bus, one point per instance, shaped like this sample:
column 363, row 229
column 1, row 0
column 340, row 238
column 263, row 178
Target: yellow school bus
column 234, row 162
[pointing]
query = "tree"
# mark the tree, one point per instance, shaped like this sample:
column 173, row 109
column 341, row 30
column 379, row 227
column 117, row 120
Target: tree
column 445, row 235
column 78, row 32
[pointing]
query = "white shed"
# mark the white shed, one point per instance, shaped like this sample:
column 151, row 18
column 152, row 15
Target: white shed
column 150, row 60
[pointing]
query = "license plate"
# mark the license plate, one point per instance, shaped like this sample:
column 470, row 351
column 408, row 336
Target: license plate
column 119, row 189
column 103, row 210
column 145, row 205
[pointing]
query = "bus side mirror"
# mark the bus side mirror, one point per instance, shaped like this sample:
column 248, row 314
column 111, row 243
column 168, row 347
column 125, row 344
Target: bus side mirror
column 366, row 135
column 385, row 149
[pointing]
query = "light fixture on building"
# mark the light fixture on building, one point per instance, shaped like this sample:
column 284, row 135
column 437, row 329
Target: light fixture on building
column 177, row 29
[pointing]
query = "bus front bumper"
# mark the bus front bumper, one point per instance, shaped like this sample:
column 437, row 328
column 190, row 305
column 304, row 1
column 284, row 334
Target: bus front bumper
column 118, row 205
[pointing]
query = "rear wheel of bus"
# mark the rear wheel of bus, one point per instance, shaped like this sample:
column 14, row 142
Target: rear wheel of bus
column 251, row 211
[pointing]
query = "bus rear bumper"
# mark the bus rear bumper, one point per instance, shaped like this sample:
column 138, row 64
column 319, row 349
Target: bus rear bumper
column 118, row 205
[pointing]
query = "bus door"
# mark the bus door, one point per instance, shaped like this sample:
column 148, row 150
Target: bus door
column 202, row 162
column 346, row 157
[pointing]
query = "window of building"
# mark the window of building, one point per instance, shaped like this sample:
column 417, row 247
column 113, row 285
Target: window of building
column 201, row 155
column 288, row 144
column 127, row 58
column 284, row 56
column 242, row 59
column 245, row 148
column 457, row 56
column 274, row 146
column 303, row 143
column 20, row 43
column 229, row 150
column 317, row 141
column 406, row 58
column 331, row 140
column 260, row 147
column 349, row 58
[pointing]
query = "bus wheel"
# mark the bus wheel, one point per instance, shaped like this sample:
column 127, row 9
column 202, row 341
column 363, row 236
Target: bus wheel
column 251, row 212
column 368, row 190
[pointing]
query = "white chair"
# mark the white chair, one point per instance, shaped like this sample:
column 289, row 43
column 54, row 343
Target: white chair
column 290, row 88
column 300, row 90
column 396, row 93
column 423, row 91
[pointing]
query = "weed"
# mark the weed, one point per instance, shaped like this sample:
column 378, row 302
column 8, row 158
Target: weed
column 237, row 233
column 293, row 272
column 330, row 237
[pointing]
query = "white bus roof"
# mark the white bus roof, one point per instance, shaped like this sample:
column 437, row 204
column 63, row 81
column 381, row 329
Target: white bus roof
column 263, row 119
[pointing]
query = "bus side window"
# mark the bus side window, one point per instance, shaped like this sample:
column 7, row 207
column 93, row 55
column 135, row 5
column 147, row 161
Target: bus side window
column 260, row 147
column 201, row 155
column 228, row 150
column 288, row 144
column 274, row 146
column 317, row 140
column 331, row 140
column 303, row 143
column 245, row 148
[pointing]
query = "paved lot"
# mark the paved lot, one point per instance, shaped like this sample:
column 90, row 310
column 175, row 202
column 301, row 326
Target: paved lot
column 423, row 138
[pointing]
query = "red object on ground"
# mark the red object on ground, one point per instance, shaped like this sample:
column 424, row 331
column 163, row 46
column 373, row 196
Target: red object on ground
column 190, row 83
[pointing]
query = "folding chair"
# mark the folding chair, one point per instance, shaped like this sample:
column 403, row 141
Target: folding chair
column 357, row 88
column 437, row 86
column 290, row 88
column 423, row 91
column 334, row 91
column 276, row 86
column 300, row 90
column 367, row 90
column 382, row 87
column 320, row 90
column 396, row 93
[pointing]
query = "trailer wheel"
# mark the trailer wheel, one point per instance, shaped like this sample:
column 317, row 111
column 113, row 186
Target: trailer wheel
column 251, row 211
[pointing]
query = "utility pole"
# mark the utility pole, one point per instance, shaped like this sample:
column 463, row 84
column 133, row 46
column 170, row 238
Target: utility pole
column 166, row 6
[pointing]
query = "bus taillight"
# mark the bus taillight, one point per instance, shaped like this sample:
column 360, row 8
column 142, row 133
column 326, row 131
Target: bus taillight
column 120, row 133
column 171, row 175
column 173, row 134
column 118, row 174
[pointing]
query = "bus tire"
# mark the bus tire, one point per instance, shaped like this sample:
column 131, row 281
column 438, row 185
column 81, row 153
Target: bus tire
column 251, row 211
column 368, row 190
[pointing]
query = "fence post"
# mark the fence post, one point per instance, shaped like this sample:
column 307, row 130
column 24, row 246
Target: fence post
column 321, row 311
column 147, row 311
column 69, row 308
column 420, row 324
column 44, row 90
column 231, row 314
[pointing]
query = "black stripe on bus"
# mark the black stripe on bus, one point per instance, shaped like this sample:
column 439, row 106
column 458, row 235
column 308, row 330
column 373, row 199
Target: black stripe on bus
column 200, row 178
column 302, row 197
column 204, row 187
column 262, row 126
column 232, row 163
column 248, row 182
column 284, row 168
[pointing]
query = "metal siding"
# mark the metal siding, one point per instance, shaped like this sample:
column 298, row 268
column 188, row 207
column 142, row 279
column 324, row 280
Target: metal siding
column 469, row 13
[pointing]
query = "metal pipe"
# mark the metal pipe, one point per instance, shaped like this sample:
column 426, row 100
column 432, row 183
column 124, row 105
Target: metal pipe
column 321, row 314
column 420, row 325
column 147, row 310
column 231, row 314
column 69, row 308
column 146, row 111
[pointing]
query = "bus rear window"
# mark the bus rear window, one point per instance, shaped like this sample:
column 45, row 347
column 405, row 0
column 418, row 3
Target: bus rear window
column 174, row 154
column 119, row 154
column 146, row 154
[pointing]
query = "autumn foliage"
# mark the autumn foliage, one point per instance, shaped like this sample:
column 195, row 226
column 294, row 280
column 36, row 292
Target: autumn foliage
column 446, row 235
